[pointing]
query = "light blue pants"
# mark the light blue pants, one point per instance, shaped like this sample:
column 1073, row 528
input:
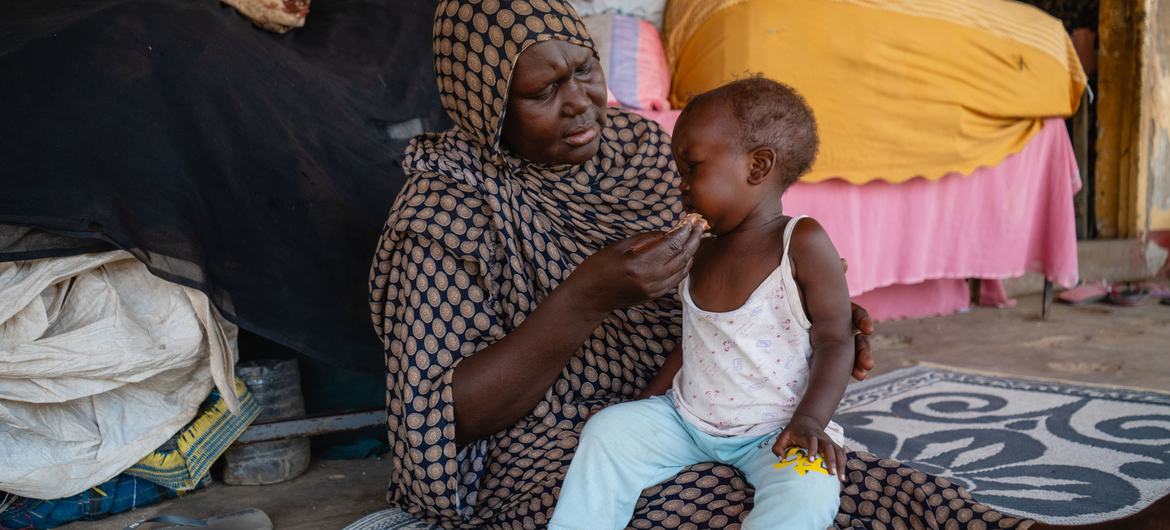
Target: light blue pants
column 628, row 447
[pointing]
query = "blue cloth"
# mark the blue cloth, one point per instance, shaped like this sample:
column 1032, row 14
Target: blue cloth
column 119, row 494
column 627, row 447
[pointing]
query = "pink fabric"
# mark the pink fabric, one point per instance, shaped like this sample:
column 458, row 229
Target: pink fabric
column 993, row 294
column 922, row 299
column 912, row 245
column 996, row 223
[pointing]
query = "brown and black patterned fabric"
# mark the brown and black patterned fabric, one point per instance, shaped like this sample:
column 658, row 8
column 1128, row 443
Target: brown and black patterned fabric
column 479, row 237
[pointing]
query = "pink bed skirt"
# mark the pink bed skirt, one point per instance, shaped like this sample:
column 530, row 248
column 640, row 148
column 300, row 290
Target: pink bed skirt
column 911, row 246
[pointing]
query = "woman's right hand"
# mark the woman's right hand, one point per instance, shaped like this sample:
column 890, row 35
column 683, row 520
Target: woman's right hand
column 636, row 270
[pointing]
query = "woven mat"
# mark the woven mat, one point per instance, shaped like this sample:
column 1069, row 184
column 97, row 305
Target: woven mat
column 1054, row 451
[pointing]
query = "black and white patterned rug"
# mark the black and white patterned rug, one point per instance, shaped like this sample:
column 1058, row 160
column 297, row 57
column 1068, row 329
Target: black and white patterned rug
column 390, row 519
column 1053, row 451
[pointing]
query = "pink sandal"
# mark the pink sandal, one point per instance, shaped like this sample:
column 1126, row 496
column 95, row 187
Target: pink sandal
column 1084, row 293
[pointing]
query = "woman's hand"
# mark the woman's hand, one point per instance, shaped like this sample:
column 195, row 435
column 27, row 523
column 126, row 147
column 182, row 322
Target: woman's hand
column 862, row 329
column 804, row 432
column 637, row 269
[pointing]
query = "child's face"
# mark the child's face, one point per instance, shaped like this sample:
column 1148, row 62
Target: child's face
column 713, row 165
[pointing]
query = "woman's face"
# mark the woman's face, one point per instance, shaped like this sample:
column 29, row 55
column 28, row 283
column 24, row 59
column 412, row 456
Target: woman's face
column 556, row 104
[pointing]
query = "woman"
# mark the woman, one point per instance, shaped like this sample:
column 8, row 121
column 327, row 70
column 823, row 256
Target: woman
column 523, row 275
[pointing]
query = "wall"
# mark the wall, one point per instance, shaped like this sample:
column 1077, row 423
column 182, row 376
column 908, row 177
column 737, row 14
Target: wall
column 1119, row 66
column 1133, row 143
column 1154, row 132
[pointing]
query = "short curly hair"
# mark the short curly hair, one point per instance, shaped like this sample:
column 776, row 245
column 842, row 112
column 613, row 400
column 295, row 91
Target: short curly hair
column 772, row 114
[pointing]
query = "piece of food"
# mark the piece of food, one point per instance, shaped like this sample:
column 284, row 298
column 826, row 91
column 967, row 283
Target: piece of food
column 690, row 218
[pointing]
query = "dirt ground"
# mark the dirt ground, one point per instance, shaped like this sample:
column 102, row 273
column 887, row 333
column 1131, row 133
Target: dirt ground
column 1098, row 344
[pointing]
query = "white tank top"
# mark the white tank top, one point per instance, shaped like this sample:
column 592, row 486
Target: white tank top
column 744, row 371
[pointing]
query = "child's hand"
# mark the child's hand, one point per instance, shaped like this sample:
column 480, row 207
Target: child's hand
column 808, row 434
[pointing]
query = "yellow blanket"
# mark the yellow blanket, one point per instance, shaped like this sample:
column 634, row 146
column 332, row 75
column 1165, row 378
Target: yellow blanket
column 901, row 88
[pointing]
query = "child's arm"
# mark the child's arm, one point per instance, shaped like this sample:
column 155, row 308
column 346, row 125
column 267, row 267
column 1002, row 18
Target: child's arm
column 826, row 299
column 665, row 376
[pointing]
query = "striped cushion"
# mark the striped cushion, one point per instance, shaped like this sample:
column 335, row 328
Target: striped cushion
column 632, row 56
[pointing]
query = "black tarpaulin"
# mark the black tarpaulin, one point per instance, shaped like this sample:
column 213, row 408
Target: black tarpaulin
column 256, row 167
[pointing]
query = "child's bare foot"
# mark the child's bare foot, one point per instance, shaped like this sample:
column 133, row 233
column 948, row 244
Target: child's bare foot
column 1154, row 517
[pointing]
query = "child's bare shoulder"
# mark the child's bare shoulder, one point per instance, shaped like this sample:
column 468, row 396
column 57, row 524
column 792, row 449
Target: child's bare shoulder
column 811, row 246
column 807, row 227
column 808, row 232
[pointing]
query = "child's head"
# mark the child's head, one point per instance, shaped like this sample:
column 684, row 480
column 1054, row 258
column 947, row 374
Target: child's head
column 740, row 144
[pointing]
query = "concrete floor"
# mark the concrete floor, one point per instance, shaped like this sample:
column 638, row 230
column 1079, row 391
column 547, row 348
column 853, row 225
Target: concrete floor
column 1096, row 343
column 332, row 494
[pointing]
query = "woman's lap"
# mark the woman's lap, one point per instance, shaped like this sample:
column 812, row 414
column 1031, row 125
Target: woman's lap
column 528, row 464
column 879, row 494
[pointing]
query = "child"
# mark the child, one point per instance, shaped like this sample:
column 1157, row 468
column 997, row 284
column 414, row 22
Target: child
column 767, row 343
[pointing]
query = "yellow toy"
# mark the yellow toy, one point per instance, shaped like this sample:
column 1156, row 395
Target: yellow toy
column 801, row 463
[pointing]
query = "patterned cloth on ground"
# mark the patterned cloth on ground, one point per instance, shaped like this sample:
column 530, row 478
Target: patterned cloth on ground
column 1061, row 452
column 183, row 462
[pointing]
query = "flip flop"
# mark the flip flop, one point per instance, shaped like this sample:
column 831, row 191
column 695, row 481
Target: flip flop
column 1084, row 294
column 249, row 519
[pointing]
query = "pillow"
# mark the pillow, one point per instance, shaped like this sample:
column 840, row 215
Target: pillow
column 633, row 59
column 651, row 10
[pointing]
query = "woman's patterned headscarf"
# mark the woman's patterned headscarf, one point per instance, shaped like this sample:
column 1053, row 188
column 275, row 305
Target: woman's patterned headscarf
column 476, row 46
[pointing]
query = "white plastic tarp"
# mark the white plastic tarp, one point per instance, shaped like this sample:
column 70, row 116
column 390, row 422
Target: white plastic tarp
column 100, row 363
